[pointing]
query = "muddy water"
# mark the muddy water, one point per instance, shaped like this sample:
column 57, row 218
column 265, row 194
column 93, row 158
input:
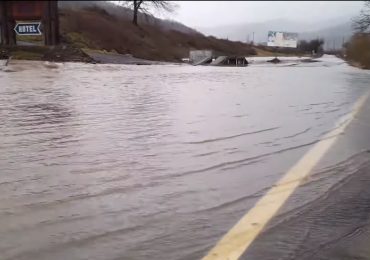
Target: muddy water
column 151, row 162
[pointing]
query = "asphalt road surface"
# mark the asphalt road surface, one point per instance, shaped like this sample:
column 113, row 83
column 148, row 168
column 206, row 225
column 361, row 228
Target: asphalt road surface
column 162, row 162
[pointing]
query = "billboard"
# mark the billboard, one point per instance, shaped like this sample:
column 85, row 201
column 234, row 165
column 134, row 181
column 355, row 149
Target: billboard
column 282, row 39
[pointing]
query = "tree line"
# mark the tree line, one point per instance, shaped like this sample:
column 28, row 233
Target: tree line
column 361, row 23
column 315, row 46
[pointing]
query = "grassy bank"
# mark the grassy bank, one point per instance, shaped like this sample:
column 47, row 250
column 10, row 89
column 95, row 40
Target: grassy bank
column 278, row 51
column 93, row 28
column 45, row 53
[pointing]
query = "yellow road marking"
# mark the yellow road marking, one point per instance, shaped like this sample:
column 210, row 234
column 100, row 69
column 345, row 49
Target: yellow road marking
column 240, row 237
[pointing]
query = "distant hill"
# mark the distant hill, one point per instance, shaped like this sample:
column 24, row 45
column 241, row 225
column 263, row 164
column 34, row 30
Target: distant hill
column 333, row 31
column 334, row 36
column 103, row 25
column 244, row 32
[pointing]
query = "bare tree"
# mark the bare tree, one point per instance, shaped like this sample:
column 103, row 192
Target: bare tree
column 145, row 7
column 362, row 22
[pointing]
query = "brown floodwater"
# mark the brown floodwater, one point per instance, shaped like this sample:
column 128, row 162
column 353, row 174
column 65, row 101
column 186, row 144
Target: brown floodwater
column 152, row 162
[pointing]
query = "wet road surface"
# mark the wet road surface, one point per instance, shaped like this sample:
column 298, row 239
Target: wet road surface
column 335, row 224
column 159, row 162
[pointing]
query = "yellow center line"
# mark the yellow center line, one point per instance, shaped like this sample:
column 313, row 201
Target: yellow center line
column 241, row 236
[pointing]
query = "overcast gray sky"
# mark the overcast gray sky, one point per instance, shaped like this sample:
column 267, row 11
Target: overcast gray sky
column 214, row 13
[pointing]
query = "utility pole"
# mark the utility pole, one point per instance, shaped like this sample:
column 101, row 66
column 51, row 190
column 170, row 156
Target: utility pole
column 253, row 37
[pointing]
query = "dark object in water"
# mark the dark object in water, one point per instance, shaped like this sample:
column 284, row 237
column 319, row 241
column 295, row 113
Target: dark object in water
column 309, row 60
column 274, row 60
column 230, row 61
column 4, row 55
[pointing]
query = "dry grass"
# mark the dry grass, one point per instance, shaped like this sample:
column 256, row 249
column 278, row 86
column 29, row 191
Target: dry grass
column 358, row 50
column 54, row 53
column 265, row 53
column 26, row 55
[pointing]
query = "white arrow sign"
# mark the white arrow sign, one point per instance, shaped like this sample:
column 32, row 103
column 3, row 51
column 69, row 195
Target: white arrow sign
column 28, row 28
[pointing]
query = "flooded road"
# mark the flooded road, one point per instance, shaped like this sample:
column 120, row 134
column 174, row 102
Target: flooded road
column 153, row 162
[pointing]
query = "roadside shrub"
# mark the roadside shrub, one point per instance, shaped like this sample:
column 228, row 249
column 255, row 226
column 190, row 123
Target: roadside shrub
column 358, row 49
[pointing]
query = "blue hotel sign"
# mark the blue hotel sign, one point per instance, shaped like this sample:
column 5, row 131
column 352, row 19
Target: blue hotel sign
column 28, row 28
